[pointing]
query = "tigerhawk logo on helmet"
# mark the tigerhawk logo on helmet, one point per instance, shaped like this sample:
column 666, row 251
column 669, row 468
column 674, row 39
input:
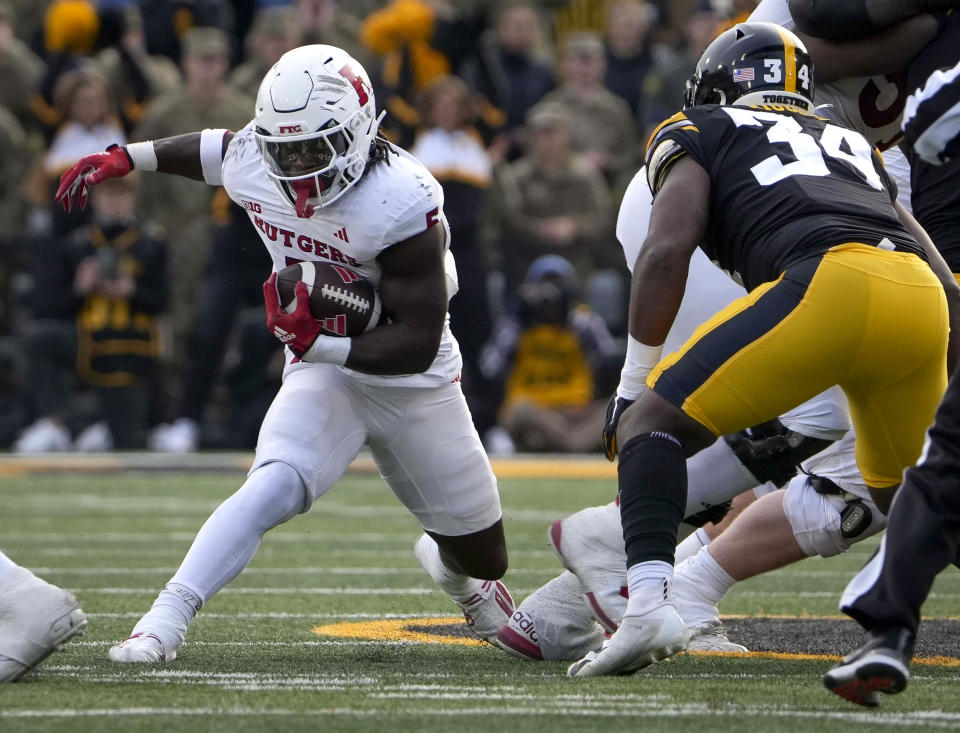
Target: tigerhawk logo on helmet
column 753, row 63
column 315, row 122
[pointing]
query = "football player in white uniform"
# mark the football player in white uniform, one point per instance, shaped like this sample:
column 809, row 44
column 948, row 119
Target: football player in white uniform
column 320, row 185
column 35, row 619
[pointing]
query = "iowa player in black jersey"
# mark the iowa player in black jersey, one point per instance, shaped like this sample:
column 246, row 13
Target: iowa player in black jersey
column 844, row 288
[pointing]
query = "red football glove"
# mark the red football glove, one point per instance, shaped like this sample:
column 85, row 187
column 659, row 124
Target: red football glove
column 89, row 171
column 299, row 329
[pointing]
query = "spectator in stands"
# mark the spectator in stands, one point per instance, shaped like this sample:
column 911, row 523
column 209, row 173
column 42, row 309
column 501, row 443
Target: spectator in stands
column 419, row 41
column 550, row 201
column 509, row 72
column 274, row 31
column 453, row 152
column 664, row 85
column 545, row 356
column 20, row 69
column 89, row 120
column 135, row 77
column 167, row 22
column 330, row 22
column 70, row 30
column 13, row 165
column 601, row 123
column 185, row 206
column 97, row 295
column 232, row 284
column 89, row 123
column 628, row 56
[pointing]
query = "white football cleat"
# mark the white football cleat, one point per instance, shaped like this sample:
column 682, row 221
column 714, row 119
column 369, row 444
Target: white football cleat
column 141, row 647
column 43, row 436
column 590, row 545
column 700, row 613
column 711, row 636
column 553, row 623
column 639, row 642
column 36, row 618
column 487, row 609
column 183, row 436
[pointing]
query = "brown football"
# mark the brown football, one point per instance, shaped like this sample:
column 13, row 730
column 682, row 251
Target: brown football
column 344, row 302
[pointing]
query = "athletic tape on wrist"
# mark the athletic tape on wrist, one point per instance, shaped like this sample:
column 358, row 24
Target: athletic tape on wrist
column 328, row 350
column 143, row 155
column 640, row 361
column 211, row 155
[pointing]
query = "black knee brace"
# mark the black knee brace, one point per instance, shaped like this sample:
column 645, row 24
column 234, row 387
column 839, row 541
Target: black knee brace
column 771, row 452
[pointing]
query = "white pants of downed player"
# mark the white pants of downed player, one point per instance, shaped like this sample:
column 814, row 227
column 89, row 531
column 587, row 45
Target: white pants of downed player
column 556, row 623
column 422, row 440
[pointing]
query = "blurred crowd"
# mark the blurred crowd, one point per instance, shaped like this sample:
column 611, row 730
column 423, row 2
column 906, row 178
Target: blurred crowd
column 138, row 321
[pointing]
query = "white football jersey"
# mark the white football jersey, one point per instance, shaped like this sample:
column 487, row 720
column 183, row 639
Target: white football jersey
column 838, row 463
column 391, row 202
column 872, row 105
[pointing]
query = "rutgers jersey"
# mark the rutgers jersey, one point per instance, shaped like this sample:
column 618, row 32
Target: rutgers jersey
column 785, row 186
column 393, row 201
column 871, row 105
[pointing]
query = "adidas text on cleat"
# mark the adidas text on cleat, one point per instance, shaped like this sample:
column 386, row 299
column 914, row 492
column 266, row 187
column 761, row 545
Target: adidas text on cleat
column 639, row 642
column 590, row 545
column 519, row 637
column 145, row 648
column 36, row 619
column 882, row 665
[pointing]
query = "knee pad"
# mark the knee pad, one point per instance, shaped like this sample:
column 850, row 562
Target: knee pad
column 553, row 624
column 817, row 519
column 772, row 452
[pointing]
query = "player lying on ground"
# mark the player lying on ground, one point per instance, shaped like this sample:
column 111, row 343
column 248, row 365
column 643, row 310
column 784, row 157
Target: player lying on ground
column 319, row 185
column 36, row 618
column 820, row 514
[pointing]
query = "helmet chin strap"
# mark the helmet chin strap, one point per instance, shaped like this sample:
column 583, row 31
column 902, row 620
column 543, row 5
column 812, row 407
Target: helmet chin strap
column 305, row 189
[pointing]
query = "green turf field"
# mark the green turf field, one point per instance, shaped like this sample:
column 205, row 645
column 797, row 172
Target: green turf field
column 252, row 661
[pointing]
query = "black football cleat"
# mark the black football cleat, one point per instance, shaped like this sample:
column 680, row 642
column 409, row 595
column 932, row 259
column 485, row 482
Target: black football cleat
column 882, row 665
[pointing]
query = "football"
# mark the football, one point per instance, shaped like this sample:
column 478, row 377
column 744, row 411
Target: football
column 344, row 302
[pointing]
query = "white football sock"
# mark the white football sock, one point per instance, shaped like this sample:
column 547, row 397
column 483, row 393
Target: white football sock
column 711, row 580
column 459, row 587
column 691, row 545
column 227, row 541
column 6, row 564
column 648, row 584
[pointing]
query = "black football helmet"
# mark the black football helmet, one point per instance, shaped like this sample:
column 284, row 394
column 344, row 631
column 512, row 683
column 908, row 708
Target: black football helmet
column 762, row 60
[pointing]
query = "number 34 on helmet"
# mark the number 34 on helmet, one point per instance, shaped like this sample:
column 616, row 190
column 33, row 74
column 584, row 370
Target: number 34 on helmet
column 753, row 63
column 315, row 121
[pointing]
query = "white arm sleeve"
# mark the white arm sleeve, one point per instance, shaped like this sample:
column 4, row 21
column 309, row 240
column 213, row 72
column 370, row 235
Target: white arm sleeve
column 211, row 155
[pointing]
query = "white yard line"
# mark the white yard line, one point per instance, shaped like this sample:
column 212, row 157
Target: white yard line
column 542, row 706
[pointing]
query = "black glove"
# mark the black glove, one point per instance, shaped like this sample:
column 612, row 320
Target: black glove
column 615, row 409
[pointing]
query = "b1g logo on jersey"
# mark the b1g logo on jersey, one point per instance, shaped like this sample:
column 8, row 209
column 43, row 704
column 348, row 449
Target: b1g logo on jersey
column 251, row 206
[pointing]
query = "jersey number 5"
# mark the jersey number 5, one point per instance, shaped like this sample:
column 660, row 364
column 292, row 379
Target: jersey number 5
column 837, row 142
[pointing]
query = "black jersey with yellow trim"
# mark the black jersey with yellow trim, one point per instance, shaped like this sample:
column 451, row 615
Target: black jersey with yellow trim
column 784, row 186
